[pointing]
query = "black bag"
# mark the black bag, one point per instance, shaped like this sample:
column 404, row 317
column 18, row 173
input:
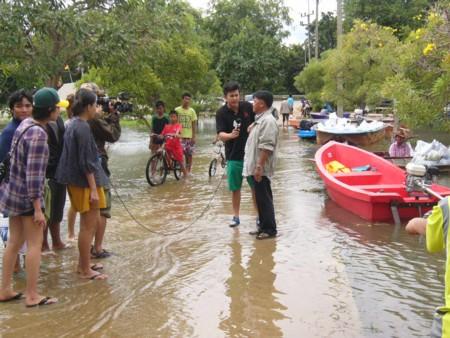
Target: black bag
column 6, row 163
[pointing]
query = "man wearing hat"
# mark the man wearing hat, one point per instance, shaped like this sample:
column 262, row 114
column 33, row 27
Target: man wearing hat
column 400, row 148
column 55, row 193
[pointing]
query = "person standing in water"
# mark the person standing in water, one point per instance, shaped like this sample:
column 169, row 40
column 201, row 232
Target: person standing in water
column 232, row 122
column 259, row 161
column 21, row 197
column 435, row 227
column 81, row 170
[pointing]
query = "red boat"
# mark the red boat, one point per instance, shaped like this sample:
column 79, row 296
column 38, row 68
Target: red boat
column 378, row 194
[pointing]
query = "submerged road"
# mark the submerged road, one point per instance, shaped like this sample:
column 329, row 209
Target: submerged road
column 328, row 274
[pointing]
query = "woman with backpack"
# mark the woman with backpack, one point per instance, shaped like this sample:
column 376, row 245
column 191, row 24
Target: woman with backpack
column 21, row 197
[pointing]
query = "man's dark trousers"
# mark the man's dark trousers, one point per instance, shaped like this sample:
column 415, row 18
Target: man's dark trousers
column 264, row 202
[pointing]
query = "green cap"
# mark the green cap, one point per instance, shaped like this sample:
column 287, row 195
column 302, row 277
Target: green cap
column 46, row 97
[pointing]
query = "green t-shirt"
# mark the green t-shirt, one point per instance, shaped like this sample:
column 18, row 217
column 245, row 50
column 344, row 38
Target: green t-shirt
column 186, row 117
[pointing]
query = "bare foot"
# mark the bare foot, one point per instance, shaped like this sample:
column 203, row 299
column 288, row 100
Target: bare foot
column 61, row 246
column 72, row 238
column 48, row 253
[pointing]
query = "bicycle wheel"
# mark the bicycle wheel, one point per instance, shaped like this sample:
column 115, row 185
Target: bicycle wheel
column 156, row 170
column 212, row 168
column 176, row 169
column 223, row 161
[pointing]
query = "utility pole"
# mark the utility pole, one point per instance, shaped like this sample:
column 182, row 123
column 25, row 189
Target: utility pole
column 317, row 30
column 307, row 15
column 340, row 85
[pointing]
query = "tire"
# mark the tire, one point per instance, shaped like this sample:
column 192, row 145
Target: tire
column 176, row 170
column 213, row 168
column 223, row 162
column 160, row 166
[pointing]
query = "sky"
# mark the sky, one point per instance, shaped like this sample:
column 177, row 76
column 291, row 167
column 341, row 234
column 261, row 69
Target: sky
column 297, row 8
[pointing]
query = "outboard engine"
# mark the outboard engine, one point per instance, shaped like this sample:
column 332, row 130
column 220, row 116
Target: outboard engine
column 419, row 178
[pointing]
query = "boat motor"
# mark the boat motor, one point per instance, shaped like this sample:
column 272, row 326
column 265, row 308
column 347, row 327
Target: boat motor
column 419, row 178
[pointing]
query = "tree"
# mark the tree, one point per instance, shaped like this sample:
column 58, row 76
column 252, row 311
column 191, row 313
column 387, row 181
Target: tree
column 421, row 88
column 311, row 81
column 327, row 32
column 402, row 15
column 246, row 39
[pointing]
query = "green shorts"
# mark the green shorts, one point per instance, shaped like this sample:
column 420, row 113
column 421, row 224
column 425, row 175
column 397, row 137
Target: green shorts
column 234, row 175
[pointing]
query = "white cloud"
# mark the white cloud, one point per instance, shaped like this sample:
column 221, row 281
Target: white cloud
column 297, row 8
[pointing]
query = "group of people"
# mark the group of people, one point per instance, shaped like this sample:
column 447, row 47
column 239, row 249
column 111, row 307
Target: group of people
column 250, row 133
column 178, row 130
column 49, row 158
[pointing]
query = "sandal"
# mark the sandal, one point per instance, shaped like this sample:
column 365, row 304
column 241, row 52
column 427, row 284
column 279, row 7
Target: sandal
column 99, row 255
column 265, row 235
column 99, row 276
column 17, row 296
column 44, row 301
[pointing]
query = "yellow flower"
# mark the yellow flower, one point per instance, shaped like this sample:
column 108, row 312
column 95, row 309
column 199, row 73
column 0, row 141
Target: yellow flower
column 363, row 26
column 429, row 48
column 380, row 45
column 419, row 33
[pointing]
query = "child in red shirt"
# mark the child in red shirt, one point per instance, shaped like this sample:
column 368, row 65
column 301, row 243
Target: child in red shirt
column 173, row 143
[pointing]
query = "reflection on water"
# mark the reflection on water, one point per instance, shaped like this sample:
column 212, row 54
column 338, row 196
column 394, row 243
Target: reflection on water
column 328, row 274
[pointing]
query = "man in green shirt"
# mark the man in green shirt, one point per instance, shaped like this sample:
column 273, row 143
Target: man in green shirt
column 435, row 227
column 188, row 119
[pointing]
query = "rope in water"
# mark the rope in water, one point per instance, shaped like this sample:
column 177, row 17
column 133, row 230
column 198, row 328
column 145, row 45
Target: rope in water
column 164, row 234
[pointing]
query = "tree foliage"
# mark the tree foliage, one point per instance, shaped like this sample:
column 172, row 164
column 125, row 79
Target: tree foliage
column 401, row 15
column 151, row 49
column 327, row 32
column 246, row 40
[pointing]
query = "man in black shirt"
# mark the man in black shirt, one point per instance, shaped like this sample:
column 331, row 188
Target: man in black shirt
column 232, row 122
column 159, row 120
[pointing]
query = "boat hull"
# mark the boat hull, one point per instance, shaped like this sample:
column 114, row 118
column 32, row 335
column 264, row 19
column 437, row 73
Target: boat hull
column 371, row 195
column 307, row 134
column 362, row 139
column 319, row 116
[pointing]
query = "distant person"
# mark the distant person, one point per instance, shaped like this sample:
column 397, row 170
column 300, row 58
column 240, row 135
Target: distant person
column 435, row 227
column 232, row 122
column 259, row 161
column 188, row 119
column 159, row 120
column 285, row 110
column 400, row 147
column 80, row 169
column 290, row 102
column 22, row 197
column 173, row 144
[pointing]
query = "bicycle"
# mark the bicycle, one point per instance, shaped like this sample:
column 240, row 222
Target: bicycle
column 160, row 164
column 220, row 158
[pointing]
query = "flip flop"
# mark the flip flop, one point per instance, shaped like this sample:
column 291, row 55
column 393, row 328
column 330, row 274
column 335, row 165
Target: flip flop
column 18, row 296
column 264, row 235
column 96, row 267
column 100, row 255
column 44, row 301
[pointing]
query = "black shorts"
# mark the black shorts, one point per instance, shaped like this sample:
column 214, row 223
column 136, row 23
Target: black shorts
column 55, row 201
column 30, row 213
column 286, row 117
column 157, row 140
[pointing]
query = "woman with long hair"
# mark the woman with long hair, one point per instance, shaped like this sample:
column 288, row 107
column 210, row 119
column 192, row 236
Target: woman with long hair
column 81, row 170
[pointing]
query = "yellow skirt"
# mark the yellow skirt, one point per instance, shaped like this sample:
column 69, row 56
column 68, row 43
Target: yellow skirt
column 80, row 198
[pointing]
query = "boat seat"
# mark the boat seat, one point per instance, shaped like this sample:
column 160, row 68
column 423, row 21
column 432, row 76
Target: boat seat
column 357, row 178
column 378, row 187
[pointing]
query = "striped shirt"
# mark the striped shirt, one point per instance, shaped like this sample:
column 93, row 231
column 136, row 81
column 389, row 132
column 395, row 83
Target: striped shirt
column 27, row 172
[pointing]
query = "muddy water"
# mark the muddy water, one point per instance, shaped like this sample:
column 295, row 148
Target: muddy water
column 328, row 274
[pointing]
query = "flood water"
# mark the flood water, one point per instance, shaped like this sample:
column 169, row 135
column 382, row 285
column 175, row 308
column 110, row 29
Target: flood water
column 328, row 274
